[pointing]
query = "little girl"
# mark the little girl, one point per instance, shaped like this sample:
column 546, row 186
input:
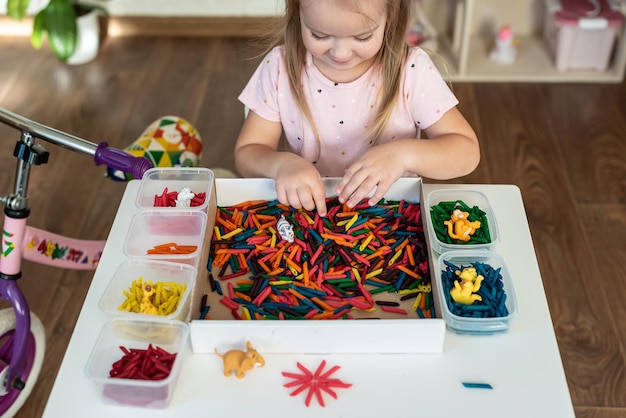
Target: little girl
column 351, row 98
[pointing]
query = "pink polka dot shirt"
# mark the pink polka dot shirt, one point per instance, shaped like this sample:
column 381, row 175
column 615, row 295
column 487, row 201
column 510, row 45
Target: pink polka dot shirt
column 343, row 112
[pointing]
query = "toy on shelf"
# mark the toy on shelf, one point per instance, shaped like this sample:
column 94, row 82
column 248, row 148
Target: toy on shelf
column 421, row 33
column 504, row 51
column 240, row 361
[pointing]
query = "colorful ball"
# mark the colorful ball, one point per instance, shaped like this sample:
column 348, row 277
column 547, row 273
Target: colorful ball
column 170, row 141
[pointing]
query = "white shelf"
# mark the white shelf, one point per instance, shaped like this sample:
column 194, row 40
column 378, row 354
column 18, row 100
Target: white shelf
column 466, row 29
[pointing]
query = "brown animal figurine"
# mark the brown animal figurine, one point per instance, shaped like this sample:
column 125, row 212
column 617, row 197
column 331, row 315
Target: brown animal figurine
column 240, row 361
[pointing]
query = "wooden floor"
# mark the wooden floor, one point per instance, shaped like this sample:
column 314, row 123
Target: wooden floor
column 564, row 145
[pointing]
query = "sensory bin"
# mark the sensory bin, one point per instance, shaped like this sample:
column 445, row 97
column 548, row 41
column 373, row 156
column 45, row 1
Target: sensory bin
column 342, row 285
column 354, row 263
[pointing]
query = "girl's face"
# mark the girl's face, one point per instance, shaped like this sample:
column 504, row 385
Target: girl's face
column 343, row 40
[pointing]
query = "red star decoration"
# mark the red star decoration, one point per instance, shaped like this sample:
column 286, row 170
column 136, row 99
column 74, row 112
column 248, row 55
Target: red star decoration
column 316, row 383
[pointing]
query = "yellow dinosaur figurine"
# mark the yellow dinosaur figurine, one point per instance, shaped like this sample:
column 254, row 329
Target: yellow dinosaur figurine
column 464, row 292
column 460, row 227
column 146, row 306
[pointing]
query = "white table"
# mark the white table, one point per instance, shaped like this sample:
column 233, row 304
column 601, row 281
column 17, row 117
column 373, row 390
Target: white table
column 523, row 365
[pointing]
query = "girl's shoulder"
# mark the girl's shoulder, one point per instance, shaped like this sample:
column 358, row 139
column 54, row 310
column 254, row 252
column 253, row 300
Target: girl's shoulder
column 418, row 56
column 276, row 54
column 422, row 62
column 273, row 61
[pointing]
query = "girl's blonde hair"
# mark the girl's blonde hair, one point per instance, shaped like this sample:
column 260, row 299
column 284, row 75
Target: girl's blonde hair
column 390, row 58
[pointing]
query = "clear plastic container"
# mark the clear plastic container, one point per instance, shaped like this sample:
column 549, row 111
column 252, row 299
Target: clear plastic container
column 151, row 228
column 470, row 198
column 156, row 271
column 156, row 180
column 471, row 325
column 171, row 336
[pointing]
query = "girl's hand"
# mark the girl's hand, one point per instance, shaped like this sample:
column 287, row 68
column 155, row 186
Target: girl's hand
column 377, row 169
column 299, row 185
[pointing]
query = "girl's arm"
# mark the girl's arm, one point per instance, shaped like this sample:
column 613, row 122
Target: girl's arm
column 451, row 151
column 256, row 145
column 298, row 183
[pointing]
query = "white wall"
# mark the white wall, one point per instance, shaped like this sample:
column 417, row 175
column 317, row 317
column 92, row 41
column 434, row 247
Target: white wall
column 178, row 7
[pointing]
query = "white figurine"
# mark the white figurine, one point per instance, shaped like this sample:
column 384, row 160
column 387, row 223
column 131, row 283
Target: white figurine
column 504, row 51
column 183, row 199
column 285, row 229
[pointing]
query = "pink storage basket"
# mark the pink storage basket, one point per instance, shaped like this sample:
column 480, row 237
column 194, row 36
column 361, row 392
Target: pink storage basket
column 580, row 34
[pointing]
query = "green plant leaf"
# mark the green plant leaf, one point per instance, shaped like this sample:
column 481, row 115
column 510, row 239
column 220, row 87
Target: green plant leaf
column 60, row 24
column 17, row 8
column 36, row 37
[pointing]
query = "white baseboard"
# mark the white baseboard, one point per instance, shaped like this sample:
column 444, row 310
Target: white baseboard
column 196, row 8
